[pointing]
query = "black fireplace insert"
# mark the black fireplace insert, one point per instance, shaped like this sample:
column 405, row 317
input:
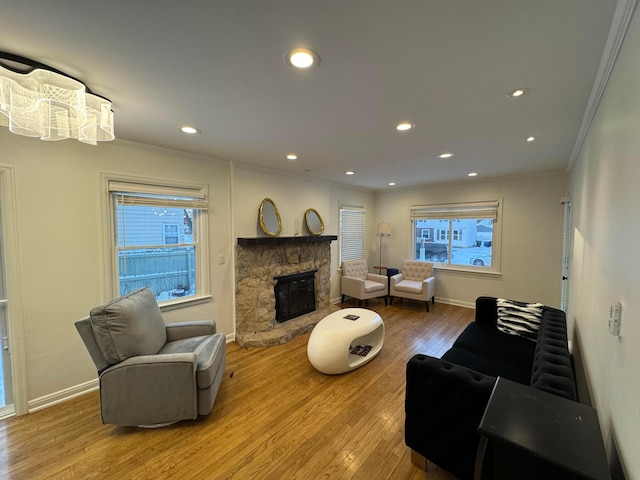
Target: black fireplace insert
column 295, row 295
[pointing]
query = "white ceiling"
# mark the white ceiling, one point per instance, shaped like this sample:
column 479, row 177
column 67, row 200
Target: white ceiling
column 445, row 65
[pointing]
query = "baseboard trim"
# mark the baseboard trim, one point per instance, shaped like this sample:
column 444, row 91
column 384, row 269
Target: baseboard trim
column 62, row 396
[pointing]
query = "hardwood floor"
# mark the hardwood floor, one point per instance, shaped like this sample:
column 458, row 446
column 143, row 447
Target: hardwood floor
column 275, row 417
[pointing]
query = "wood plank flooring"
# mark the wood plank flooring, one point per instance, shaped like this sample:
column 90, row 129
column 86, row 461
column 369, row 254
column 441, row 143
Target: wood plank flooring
column 275, row 417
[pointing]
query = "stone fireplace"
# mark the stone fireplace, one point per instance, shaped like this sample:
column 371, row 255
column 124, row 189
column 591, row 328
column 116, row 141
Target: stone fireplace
column 259, row 264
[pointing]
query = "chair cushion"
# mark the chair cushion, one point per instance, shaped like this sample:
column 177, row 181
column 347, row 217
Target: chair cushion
column 129, row 326
column 371, row 286
column 409, row 286
column 210, row 351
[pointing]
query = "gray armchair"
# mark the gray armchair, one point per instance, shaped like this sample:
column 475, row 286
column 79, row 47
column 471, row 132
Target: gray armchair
column 152, row 374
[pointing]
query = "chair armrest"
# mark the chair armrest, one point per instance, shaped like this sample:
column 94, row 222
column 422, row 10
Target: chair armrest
column 375, row 277
column 178, row 331
column 150, row 389
column 397, row 278
column 444, row 405
column 352, row 286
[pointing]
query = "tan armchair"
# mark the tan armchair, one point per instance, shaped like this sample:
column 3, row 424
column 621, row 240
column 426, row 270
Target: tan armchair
column 358, row 283
column 152, row 374
column 416, row 282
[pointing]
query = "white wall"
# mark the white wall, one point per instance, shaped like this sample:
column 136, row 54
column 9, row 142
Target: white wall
column 61, row 273
column 532, row 219
column 605, row 257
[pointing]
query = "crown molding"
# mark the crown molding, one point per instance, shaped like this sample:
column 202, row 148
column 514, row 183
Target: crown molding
column 619, row 26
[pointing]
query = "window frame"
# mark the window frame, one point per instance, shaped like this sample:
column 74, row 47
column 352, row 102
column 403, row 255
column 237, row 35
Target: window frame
column 147, row 185
column 459, row 211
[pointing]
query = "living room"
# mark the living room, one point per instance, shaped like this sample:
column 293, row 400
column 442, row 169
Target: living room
column 53, row 200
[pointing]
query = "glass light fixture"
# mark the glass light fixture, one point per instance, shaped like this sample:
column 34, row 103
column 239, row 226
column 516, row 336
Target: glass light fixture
column 350, row 172
column 445, row 155
column 472, row 174
column 40, row 101
column 292, row 156
column 531, row 139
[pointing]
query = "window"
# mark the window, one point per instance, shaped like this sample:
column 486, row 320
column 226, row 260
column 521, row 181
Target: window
column 351, row 233
column 171, row 234
column 465, row 234
column 159, row 238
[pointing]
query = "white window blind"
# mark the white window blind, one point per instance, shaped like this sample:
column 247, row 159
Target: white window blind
column 456, row 210
column 351, row 233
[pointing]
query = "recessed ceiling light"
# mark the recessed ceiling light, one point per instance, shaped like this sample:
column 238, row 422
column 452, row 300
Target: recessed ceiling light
column 350, row 172
column 472, row 174
column 292, row 156
column 190, row 130
column 392, row 184
column 518, row 92
column 445, row 155
column 404, row 126
column 531, row 139
column 302, row 58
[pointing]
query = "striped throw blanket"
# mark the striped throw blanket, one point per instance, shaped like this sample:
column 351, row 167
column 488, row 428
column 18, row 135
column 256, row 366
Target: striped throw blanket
column 518, row 318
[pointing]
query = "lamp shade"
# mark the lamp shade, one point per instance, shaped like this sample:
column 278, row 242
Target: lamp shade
column 384, row 230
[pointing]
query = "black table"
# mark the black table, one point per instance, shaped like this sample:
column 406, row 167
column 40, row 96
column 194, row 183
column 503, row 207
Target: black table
column 526, row 433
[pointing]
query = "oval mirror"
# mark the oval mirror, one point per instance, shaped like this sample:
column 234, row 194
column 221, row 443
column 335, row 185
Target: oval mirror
column 314, row 222
column 270, row 218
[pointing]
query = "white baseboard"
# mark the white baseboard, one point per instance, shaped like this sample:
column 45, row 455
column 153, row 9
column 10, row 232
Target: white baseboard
column 458, row 303
column 62, row 396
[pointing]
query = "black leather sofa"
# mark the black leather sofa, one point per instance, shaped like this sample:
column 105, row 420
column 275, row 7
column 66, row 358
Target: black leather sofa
column 446, row 398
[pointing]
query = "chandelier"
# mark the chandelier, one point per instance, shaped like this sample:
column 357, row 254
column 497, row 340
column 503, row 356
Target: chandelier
column 39, row 101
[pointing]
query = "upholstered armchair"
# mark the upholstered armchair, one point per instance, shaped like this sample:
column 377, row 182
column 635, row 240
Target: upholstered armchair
column 152, row 374
column 358, row 283
column 415, row 281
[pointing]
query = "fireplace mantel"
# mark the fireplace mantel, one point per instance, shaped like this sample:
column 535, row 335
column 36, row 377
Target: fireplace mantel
column 256, row 241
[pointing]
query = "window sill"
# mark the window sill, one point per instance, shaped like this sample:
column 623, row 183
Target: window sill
column 466, row 271
column 184, row 302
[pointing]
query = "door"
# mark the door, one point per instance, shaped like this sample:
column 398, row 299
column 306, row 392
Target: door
column 566, row 247
column 6, row 381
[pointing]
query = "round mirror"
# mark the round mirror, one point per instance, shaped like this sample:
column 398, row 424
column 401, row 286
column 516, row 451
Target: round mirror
column 270, row 218
column 314, row 222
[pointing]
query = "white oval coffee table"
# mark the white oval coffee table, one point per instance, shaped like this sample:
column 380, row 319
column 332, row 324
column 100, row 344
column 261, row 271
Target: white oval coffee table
column 345, row 340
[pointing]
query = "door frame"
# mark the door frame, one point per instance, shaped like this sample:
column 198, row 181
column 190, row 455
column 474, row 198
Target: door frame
column 14, row 295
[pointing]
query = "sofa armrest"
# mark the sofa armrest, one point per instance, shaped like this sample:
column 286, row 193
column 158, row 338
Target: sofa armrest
column 150, row 389
column 487, row 310
column 196, row 328
column 444, row 404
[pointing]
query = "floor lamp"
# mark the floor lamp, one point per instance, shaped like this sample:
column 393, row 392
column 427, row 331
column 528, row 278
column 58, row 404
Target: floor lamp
column 384, row 230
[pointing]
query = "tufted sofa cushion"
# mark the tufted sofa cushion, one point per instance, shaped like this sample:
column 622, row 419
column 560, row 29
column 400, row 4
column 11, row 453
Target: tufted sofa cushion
column 355, row 268
column 416, row 271
column 552, row 369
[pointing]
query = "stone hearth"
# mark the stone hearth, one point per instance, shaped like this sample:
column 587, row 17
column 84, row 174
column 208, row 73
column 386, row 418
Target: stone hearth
column 258, row 261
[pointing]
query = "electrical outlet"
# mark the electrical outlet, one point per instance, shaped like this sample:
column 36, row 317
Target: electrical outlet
column 221, row 259
column 615, row 314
